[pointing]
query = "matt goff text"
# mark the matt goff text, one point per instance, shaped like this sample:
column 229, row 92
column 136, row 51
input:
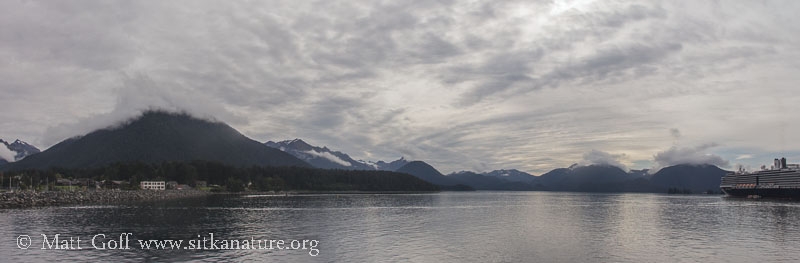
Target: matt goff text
column 124, row 241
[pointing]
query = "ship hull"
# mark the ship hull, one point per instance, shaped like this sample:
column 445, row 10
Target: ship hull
column 793, row 193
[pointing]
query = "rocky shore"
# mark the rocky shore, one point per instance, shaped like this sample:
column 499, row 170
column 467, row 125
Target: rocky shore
column 21, row 199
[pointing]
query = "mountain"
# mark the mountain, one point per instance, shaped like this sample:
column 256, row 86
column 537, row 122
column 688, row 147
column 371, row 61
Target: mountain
column 426, row 172
column 490, row 182
column 512, row 175
column 319, row 157
column 643, row 173
column 697, row 178
column 600, row 178
column 20, row 148
column 390, row 166
column 322, row 157
column 591, row 178
column 158, row 136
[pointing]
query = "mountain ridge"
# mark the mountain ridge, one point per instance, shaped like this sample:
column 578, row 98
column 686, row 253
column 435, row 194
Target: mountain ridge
column 21, row 148
column 325, row 158
column 581, row 178
column 157, row 136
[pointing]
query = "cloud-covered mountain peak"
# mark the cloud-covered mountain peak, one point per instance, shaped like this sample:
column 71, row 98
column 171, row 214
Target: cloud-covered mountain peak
column 323, row 157
column 16, row 150
column 299, row 144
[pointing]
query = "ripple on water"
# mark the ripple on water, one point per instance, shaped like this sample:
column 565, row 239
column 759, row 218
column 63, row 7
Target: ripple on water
column 441, row 227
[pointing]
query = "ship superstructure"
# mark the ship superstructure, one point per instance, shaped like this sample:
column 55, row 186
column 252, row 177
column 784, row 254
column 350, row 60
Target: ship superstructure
column 782, row 180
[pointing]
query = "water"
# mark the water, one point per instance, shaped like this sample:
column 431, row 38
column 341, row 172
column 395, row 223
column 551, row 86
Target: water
column 441, row 227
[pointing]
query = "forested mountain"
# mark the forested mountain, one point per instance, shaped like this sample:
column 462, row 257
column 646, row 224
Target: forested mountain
column 696, row 178
column 155, row 137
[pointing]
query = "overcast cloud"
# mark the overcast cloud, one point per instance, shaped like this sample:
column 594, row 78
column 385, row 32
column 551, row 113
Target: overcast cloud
column 603, row 158
column 688, row 155
column 7, row 154
column 463, row 85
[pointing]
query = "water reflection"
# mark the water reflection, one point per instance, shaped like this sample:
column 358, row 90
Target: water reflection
column 443, row 227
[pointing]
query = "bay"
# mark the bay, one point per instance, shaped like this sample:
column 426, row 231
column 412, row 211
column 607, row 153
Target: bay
column 438, row 227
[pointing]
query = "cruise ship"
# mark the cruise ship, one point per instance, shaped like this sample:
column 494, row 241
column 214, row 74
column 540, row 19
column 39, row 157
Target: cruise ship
column 782, row 180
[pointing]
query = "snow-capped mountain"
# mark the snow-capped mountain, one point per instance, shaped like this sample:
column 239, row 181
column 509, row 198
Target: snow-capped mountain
column 390, row 166
column 513, row 175
column 16, row 150
column 496, row 181
column 322, row 157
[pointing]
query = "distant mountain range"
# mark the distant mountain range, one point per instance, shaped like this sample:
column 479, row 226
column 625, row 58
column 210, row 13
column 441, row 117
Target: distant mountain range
column 697, row 178
column 426, row 172
column 591, row 178
column 19, row 148
column 158, row 136
column 512, row 175
column 155, row 137
column 322, row 157
column 491, row 181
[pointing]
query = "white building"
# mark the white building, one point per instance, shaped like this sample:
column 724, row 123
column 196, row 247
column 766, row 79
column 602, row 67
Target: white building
column 153, row 185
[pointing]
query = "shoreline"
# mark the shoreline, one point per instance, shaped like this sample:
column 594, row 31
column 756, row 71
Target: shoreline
column 301, row 193
column 28, row 199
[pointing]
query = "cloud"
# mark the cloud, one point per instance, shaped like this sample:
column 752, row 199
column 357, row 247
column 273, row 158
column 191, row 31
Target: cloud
column 330, row 157
column 523, row 70
column 7, row 154
column 141, row 93
column 604, row 158
column 676, row 134
column 531, row 85
column 90, row 35
column 688, row 155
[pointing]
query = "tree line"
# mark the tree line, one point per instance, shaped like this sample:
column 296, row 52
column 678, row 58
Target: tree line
column 229, row 178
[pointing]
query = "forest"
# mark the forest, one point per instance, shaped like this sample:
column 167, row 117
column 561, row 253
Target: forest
column 221, row 177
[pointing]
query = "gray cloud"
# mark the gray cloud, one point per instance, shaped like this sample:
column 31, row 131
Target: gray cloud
column 604, row 158
column 675, row 133
column 66, row 34
column 7, row 154
column 481, row 85
column 614, row 61
column 688, row 155
column 138, row 94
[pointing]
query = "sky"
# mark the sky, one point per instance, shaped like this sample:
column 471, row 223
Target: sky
column 462, row 85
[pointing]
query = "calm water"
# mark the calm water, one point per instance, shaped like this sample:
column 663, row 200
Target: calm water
column 442, row 227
